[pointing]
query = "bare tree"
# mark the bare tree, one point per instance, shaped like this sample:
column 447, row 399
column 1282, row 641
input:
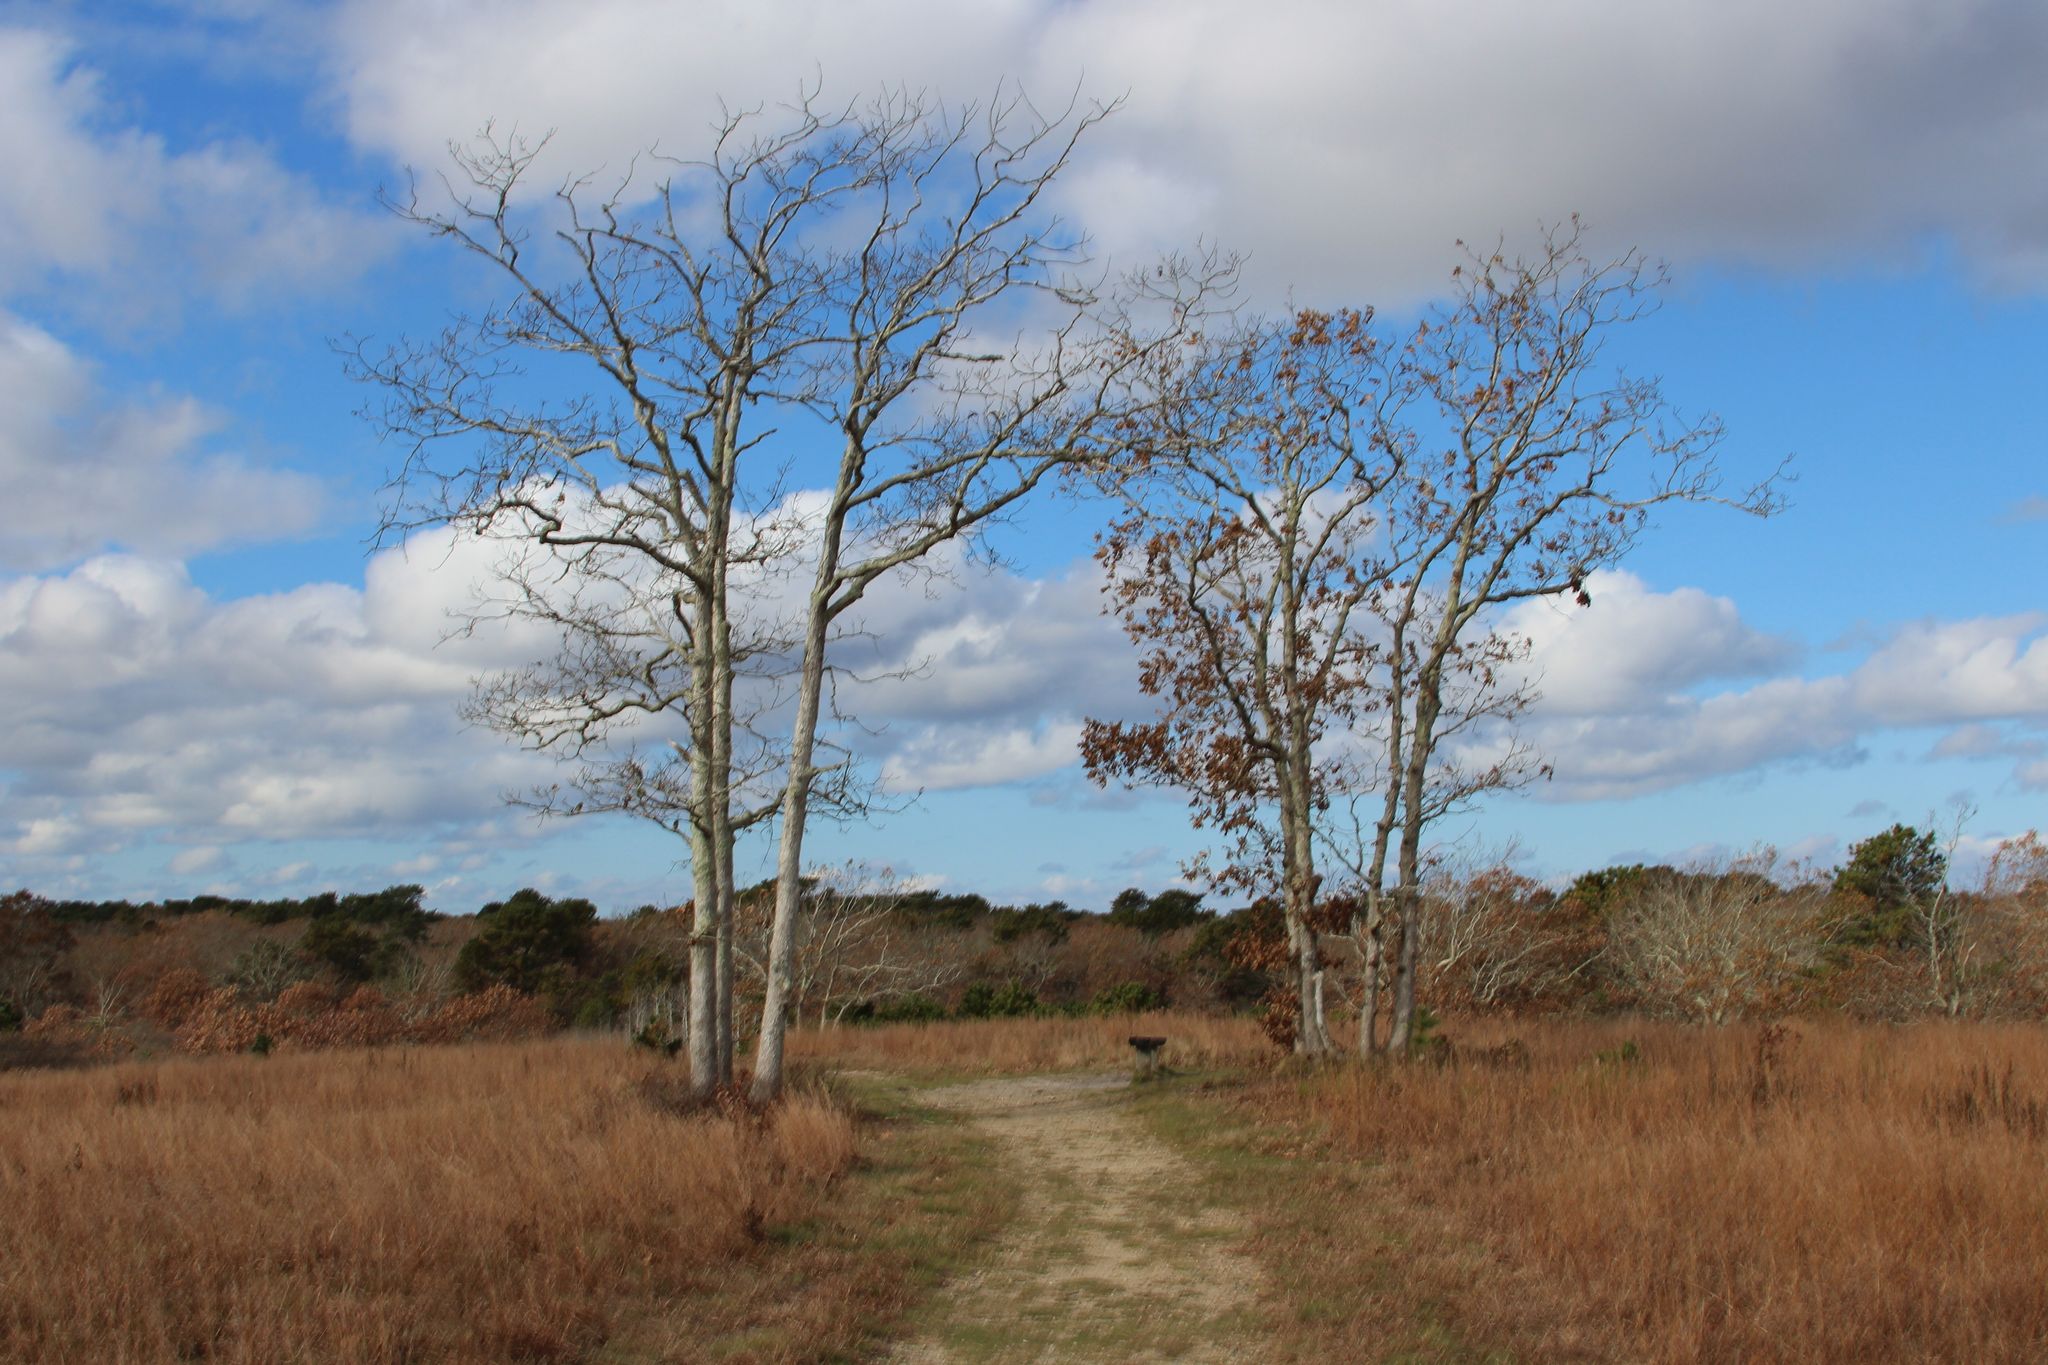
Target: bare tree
column 1486, row 935
column 1944, row 929
column 1987, row 950
column 32, row 948
column 1715, row 942
column 1530, row 463
column 595, row 425
column 940, row 432
column 1244, row 565
column 2001, row 950
column 852, row 945
column 641, row 424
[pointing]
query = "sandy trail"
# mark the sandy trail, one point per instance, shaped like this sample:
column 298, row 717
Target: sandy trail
column 1115, row 1255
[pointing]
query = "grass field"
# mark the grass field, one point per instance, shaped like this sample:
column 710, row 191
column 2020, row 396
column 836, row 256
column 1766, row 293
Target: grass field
column 538, row 1201
column 1548, row 1191
column 1607, row 1191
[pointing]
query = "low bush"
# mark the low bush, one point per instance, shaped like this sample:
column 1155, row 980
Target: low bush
column 1132, row 997
column 985, row 1000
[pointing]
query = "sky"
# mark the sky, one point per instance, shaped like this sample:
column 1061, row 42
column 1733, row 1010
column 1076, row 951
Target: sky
column 211, row 681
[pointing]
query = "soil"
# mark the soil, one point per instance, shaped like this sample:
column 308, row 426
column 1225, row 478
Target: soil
column 1116, row 1256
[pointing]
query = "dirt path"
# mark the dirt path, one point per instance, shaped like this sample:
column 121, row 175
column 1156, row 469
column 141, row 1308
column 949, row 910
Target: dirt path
column 1115, row 1256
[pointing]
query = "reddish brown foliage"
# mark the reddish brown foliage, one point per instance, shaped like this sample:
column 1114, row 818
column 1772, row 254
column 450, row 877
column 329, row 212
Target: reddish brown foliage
column 312, row 1016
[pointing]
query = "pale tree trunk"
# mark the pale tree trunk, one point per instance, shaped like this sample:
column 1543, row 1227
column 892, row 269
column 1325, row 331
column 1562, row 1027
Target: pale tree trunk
column 1401, row 1032
column 722, row 850
column 1373, row 945
column 725, row 1007
column 1370, row 930
column 703, row 1045
column 1312, row 1037
column 1297, row 798
column 795, row 810
column 1408, row 894
column 1429, row 684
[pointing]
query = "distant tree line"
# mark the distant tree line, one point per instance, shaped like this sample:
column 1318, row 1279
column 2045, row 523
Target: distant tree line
column 1883, row 935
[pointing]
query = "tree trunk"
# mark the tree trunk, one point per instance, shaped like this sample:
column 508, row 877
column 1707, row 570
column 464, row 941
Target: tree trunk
column 725, row 1046
column 788, row 878
column 796, row 804
column 1368, row 930
column 703, row 1043
column 1312, row 1037
column 1401, row 1034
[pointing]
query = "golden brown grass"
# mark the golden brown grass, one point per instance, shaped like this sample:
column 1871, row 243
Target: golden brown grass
column 1655, row 1193
column 488, row 1203
column 1007, row 1046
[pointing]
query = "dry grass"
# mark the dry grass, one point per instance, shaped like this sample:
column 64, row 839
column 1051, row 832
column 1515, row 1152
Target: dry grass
column 490, row 1203
column 1641, row 1192
column 1014, row 1046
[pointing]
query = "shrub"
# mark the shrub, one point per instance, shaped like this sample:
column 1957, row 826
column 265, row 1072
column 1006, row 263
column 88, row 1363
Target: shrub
column 1893, row 875
column 1007, row 925
column 526, row 942
column 266, row 967
column 1132, row 997
column 347, row 949
column 1008, row 1001
column 1174, row 908
column 495, row 1014
column 220, row 1023
column 915, row 1008
column 176, row 994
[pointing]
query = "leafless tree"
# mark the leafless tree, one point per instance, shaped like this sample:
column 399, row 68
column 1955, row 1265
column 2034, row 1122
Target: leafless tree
column 1530, row 462
column 32, row 949
column 1948, row 934
column 1485, row 934
column 1715, row 942
column 1243, row 565
column 1987, row 952
column 852, row 945
column 940, row 430
column 872, row 298
column 267, row 966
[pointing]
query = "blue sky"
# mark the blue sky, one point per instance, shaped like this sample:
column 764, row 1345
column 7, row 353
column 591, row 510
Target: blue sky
column 212, row 684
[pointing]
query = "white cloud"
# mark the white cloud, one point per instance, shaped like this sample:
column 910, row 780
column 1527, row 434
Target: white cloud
column 91, row 199
column 1621, row 713
column 1344, row 144
column 192, row 862
column 1935, row 671
column 974, row 755
column 82, row 469
column 141, row 707
column 1632, row 643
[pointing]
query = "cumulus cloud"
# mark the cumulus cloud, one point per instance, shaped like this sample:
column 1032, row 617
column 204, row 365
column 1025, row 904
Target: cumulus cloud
column 987, row 681
column 142, row 707
column 1935, row 671
column 1643, row 691
column 1633, row 642
column 93, row 200
column 979, row 756
column 1622, row 709
column 82, row 470
column 1344, row 145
